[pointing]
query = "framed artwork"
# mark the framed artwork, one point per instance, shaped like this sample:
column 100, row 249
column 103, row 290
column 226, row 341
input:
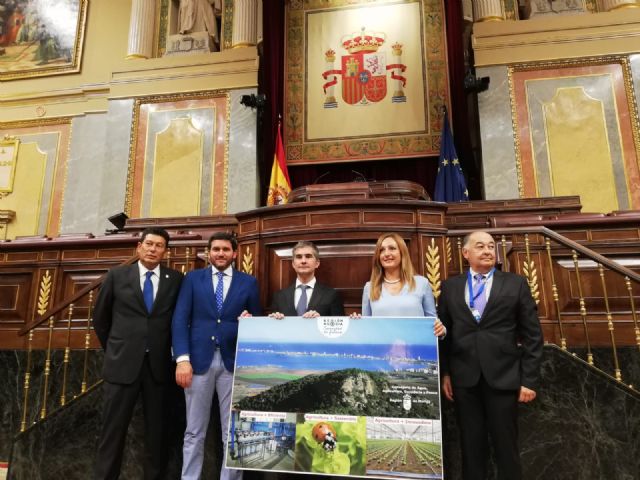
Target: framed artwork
column 364, row 80
column 41, row 37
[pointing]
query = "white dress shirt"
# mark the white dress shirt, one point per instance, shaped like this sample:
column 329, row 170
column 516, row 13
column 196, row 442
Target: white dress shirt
column 228, row 273
column 155, row 278
column 298, row 291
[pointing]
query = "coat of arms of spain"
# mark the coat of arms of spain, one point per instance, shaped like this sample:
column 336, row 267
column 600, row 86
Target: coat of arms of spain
column 364, row 71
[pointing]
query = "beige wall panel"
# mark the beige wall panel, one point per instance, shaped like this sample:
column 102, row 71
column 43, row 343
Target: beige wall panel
column 575, row 133
column 189, row 136
column 579, row 151
column 177, row 168
column 26, row 199
column 43, row 151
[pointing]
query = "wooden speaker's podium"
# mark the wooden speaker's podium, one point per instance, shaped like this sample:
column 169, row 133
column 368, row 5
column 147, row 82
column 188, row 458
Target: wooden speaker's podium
column 393, row 189
column 344, row 220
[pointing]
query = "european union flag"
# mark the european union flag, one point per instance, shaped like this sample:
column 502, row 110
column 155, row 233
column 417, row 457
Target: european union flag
column 450, row 183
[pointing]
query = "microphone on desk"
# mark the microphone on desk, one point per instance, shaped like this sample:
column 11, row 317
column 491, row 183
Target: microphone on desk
column 321, row 176
column 360, row 177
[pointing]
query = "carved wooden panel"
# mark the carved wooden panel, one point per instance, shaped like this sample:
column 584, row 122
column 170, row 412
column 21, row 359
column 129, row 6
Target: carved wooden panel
column 72, row 281
column 248, row 258
column 15, row 257
column 346, row 235
column 431, row 262
column 15, row 295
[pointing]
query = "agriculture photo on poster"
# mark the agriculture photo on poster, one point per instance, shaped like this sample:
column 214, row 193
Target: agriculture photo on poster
column 336, row 395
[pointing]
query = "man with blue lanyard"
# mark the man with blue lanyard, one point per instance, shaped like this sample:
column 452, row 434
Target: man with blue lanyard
column 490, row 357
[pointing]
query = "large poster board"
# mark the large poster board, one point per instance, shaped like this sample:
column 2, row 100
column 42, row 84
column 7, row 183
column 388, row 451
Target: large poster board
column 338, row 396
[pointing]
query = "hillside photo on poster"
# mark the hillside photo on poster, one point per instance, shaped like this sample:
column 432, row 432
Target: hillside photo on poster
column 377, row 367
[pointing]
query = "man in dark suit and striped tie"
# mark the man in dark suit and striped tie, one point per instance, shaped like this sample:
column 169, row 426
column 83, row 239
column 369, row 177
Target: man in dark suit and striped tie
column 132, row 319
column 490, row 357
column 306, row 297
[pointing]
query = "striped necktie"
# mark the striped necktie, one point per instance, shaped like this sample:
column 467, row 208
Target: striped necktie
column 480, row 301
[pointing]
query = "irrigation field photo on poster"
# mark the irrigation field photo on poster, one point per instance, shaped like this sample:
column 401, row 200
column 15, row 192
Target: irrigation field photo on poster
column 337, row 395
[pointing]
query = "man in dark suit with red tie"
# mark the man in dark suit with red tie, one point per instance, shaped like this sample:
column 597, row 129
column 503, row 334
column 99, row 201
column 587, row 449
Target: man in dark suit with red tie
column 132, row 319
column 490, row 357
column 306, row 297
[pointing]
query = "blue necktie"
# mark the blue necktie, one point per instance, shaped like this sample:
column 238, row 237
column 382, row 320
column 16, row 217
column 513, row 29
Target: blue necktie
column 481, row 300
column 219, row 291
column 302, row 303
column 147, row 291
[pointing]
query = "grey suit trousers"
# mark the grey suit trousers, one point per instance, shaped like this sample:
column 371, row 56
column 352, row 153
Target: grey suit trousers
column 198, row 399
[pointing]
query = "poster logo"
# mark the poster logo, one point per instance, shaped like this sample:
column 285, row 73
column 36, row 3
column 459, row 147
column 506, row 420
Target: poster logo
column 364, row 71
column 406, row 402
column 333, row 327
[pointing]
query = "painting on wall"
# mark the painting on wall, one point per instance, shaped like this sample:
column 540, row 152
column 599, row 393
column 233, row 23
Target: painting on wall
column 41, row 37
column 364, row 80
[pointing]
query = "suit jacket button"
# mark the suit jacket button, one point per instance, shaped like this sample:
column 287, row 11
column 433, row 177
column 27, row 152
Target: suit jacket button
column 219, row 320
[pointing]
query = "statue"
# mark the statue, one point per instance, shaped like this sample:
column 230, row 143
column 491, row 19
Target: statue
column 198, row 16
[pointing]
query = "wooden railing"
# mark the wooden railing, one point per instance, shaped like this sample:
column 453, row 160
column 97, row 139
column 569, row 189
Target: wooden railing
column 60, row 322
column 586, row 301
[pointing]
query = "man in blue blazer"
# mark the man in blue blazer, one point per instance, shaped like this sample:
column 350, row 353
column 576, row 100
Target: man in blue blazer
column 205, row 331
column 490, row 357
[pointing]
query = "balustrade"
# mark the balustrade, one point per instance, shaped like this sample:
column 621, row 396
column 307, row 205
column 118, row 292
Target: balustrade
column 586, row 301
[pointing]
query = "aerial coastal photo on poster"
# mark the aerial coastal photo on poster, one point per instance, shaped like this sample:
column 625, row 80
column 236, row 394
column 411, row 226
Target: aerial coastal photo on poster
column 337, row 395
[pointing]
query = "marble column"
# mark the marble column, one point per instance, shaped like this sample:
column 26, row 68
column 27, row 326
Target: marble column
column 608, row 5
column 245, row 23
column 487, row 10
column 260, row 35
column 141, row 28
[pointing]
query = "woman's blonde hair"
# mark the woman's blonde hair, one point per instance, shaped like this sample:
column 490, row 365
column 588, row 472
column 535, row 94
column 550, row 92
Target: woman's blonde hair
column 377, row 272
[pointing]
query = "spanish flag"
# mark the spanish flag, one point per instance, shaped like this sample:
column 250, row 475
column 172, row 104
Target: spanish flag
column 280, row 185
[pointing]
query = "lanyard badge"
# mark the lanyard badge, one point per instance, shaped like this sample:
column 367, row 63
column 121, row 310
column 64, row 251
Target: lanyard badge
column 472, row 298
